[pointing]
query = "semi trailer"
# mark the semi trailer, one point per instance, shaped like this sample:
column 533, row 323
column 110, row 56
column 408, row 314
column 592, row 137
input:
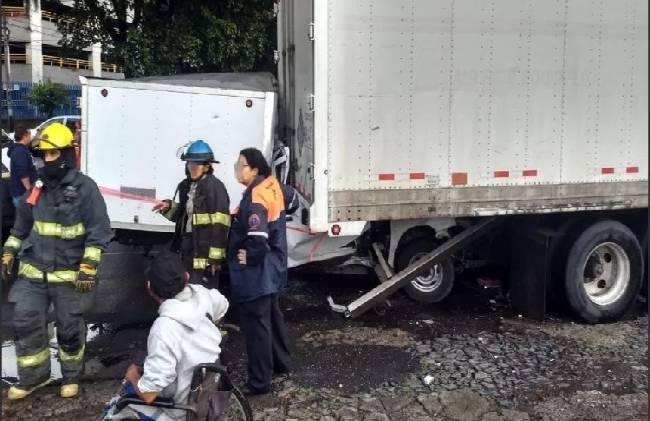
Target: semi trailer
column 516, row 129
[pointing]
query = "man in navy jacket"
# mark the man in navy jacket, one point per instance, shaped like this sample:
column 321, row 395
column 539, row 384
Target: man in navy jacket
column 22, row 169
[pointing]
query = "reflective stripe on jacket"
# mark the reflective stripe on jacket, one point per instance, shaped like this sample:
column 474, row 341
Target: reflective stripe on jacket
column 67, row 226
column 259, row 227
column 210, row 219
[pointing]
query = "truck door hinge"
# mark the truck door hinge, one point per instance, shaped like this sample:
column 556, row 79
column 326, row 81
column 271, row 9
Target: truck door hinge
column 311, row 31
column 311, row 103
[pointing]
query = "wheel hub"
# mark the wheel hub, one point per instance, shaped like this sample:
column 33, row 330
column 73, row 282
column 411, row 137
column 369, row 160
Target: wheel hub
column 431, row 280
column 606, row 273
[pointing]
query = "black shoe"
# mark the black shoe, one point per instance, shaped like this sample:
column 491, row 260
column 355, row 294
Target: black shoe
column 249, row 391
column 284, row 375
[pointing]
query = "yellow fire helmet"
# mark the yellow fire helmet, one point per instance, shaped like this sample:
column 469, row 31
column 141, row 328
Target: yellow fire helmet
column 54, row 136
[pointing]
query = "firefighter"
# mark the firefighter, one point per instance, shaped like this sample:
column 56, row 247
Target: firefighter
column 202, row 215
column 59, row 235
column 257, row 260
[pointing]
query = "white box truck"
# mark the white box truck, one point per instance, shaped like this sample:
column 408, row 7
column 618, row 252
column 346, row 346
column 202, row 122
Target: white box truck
column 133, row 129
column 426, row 134
column 427, row 124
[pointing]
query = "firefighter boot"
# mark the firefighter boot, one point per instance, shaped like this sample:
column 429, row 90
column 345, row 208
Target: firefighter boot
column 16, row 393
column 69, row 390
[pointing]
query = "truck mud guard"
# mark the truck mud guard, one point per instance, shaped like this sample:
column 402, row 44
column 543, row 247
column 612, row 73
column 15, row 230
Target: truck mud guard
column 399, row 280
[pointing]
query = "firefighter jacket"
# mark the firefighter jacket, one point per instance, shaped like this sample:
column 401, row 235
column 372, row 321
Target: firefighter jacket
column 210, row 219
column 68, row 225
column 259, row 227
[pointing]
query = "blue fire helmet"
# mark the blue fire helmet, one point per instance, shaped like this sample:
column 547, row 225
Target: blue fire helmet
column 199, row 151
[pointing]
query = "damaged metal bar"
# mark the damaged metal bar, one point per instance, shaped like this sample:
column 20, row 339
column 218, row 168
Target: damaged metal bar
column 382, row 269
column 392, row 285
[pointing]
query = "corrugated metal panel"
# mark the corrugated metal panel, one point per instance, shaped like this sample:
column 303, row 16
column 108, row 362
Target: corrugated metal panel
column 24, row 110
column 506, row 93
column 431, row 99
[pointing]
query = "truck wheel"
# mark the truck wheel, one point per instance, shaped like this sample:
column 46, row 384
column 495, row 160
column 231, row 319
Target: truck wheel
column 603, row 271
column 559, row 249
column 434, row 286
column 644, row 248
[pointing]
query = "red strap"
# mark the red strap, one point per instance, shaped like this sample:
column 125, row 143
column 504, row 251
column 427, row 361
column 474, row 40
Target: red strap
column 34, row 195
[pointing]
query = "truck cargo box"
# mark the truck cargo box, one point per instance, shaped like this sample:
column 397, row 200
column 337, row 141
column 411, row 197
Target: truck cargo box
column 462, row 108
column 132, row 129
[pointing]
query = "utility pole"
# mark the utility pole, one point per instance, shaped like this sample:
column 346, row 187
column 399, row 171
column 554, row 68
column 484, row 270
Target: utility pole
column 10, row 107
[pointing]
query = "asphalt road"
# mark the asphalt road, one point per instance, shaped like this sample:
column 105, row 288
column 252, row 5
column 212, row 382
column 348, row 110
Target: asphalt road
column 467, row 358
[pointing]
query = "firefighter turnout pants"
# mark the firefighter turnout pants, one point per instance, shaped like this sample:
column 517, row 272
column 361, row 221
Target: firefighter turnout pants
column 31, row 300
column 196, row 274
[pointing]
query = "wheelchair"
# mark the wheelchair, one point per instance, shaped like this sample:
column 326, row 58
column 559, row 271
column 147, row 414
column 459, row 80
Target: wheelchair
column 213, row 396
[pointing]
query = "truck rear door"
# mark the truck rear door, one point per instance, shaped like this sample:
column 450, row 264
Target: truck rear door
column 299, row 78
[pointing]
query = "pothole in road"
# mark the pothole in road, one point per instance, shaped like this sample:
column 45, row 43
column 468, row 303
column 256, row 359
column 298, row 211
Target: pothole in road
column 366, row 336
column 353, row 359
column 352, row 369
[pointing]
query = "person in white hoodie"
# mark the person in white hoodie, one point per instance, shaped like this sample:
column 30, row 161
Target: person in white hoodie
column 183, row 336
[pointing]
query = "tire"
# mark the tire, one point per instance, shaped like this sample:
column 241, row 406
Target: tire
column 560, row 246
column 244, row 404
column 240, row 398
column 244, row 408
column 644, row 249
column 609, row 255
column 426, row 290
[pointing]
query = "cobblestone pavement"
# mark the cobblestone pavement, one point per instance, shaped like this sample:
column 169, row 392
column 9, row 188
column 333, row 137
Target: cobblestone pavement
column 464, row 359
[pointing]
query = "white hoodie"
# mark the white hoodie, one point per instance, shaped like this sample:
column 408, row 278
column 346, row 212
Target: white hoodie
column 181, row 338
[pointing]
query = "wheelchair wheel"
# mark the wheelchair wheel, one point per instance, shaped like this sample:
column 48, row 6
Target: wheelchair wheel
column 239, row 408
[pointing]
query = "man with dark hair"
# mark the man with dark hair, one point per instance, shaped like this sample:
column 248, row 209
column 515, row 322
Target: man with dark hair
column 22, row 169
column 183, row 336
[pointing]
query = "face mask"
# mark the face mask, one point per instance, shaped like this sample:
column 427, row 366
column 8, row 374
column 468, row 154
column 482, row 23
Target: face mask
column 53, row 170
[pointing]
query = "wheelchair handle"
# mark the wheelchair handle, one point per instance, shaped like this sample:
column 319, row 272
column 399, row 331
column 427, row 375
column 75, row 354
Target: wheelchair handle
column 230, row 327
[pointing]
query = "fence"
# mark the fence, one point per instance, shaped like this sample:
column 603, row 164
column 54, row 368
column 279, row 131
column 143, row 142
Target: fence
column 15, row 11
column 25, row 111
column 72, row 63
column 20, row 12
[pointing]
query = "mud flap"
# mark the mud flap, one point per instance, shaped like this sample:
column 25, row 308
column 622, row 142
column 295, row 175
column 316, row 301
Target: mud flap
column 530, row 268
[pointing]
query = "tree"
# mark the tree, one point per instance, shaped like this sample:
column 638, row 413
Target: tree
column 47, row 96
column 162, row 37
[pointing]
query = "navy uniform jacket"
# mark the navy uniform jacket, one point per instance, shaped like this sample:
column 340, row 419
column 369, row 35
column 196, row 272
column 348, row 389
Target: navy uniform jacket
column 259, row 226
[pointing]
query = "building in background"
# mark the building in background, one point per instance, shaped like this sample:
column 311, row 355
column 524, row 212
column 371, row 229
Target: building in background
column 35, row 54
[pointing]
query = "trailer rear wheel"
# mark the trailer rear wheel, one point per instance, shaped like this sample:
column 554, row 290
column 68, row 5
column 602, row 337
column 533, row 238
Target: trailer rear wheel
column 603, row 272
column 435, row 285
column 560, row 245
column 644, row 248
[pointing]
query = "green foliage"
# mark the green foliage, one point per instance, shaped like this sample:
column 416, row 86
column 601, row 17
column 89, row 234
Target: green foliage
column 47, row 96
column 162, row 37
